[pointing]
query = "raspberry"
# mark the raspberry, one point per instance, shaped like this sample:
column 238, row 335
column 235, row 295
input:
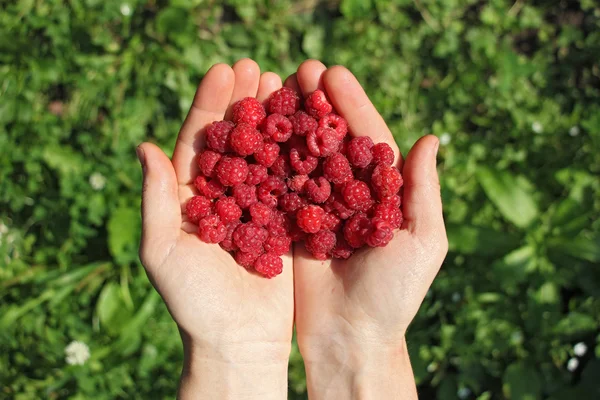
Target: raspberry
column 380, row 233
column 382, row 154
column 336, row 168
column 256, row 174
column 227, row 210
column 338, row 206
column 261, row 214
column 320, row 244
column 296, row 183
column 284, row 101
column 364, row 174
column 211, row 229
column 386, row 181
column 217, row 135
column 249, row 237
column 210, row 188
column 394, row 200
column 244, row 195
column 232, row 170
column 277, row 127
column 359, row 151
column 249, row 111
column 245, row 139
column 291, row 202
column 336, row 123
column 227, row 243
column 247, row 259
column 322, row 142
column 310, row 218
column 316, row 104
column 357, row 229
column 270, row 190
column 296, row 233
column 342, row 249
column 281, row 166
column 198, row 207
column 303, row 123
column 279, row 225
column 357, row 195
column 389, row 213
column 331, row 222
column 207, row 161
column 278, row 245
column 318, row 190
column 302, row 162
column 267, row 154
column 268, row 265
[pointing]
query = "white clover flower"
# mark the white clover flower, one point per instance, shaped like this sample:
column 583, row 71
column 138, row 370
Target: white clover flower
column 97, row 181
column 77, row 353
column 537, row 127
column 580, row 349
column 572, row 364
column 463, row 393
column 445, row 139
column 126, row 9
column 574, row 131
column 456, row 297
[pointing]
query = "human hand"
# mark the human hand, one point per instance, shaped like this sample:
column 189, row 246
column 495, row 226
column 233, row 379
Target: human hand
column 236, row 326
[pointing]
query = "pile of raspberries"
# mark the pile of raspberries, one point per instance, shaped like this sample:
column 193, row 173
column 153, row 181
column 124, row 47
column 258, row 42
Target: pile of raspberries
column 278, row 174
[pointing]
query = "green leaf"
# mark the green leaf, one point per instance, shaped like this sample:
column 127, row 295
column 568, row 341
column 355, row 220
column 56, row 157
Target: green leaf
column 111, row 309
column 582, row 247
column 514, row 267
column 576, row 324
column 521, row 382
column 312, row 42
column 123, row 234
column 468, row 239
column 355, row 8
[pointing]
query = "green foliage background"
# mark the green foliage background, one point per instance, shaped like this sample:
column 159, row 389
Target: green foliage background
column 512, row 88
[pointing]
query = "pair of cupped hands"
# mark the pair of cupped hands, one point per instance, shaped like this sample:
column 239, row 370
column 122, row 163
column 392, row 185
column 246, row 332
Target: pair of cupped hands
column 350, row 315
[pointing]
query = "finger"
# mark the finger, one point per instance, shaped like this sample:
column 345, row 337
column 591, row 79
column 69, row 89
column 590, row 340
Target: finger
column 269, row 82
column 247, row 77
column 351, row 101
column 310, row 76
column 210, row 104
column 292, row 83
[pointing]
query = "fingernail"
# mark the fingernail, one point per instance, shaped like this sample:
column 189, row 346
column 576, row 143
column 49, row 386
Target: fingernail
column 141, row 156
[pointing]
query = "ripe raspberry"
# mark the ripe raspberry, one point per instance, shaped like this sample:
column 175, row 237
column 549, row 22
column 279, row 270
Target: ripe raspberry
column 227, row 243
column 320, row 244
column 342, row 249
column 310, row 218
column 364, row 174
column 318, row 189
column 357, row 229
column 279, row 225
column 380, row 233
column 278, row 245
column 336, row 123
column 211, row 229
column 357, row 195
column 270, row 190
column 227, row 210
column 244, row 195
column 256, row 174
column 250, row 237
column 359, row 151
column 281, row 166
column 232, row 170
column 210, row 188
column 277, row 127
column 331, row 222
column 394, row 200
column 386, row 181
column 261, row 214
column 206, row 162
column 217, row 135
column 336, row 169
column 301, row 160
column 316, row 104
column 291, row 202
column 249, row 111
column 303, row 123
column 267, row 154
column 198, row 207
column 268, row 265
column 382, row 154
column 389, row 213
column 338, row 206
column 247, row 259
column 284, row 101
column 322, row 142
column 296, row 233
column 296, row 183
column 245, row 139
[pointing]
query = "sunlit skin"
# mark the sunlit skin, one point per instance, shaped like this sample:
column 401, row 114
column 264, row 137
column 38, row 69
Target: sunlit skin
column 351, row 316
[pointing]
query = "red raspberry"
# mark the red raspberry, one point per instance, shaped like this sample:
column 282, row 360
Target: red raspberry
column 270, row 190
column 382, row 154
column 277, row 127
column 357, row 195
column 227, row 243
column 267, row 154
column 268, row 265
column 245, row 139
column 359, row 151
column 322, row 142
column 389, row 213
column 256, row 174
column 380, row 233
column 331, row 222
column 386, row 181
column 210, row 188
column 217, row 135
column 357, row 229
column 336, row 123
column 301, row 160
column 291, row 202
column 250, row 237
column 227, row 210
column 284, row 101
column 336, row 169
column 281, row 166
column 198, row 207
column 249, row 111
column 338, row 206
column 364, row 174
column 211, row 229
column 318, row 189
column 296, row 233
column 320, row 244
column 316, row 104
column 247, row 259
column 232, row 170
column 207, row 161
column 310, row 218
column 342, row 249
column 244, row 195
column 279, row 225
column 296, row 183
column 303, row 123
column 278, row 245
column 394, row 200
column 261, row 214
